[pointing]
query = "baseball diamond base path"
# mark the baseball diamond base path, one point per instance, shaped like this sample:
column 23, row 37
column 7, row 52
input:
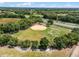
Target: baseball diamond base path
column 75, row 52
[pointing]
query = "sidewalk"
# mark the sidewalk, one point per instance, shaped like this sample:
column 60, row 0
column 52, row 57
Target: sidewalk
column 75, row 52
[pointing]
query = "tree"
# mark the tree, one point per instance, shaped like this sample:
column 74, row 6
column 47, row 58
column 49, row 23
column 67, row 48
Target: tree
column 49, row 22
column 35, row 19
column 25, row 44
column 76, row 30
column 68, row 18
column 59, row 43
column 12, row 42
column 35, row 44
column 44, row 43
column 23, row 23
column 66, row 41
column 73, row 38
column 4, row 39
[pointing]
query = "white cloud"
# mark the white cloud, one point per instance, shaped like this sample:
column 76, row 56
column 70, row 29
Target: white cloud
column 45, row 6
column 24, row 4
column 2, row 2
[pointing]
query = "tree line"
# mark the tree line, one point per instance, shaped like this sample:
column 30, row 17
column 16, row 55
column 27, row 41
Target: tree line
column 67, row 40
column 7, row 15
column 14, row 27
column 22, row 24
column 8, row 40
column 64, row 41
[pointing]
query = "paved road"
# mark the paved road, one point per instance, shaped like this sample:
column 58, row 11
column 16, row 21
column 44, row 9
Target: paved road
column 66, row 24
column 75, row 52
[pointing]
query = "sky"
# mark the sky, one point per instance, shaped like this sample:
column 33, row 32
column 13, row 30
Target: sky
column 40, row 4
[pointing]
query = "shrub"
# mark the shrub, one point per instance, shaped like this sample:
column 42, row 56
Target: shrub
column 4, row 39
column 60, row 42
column 35, row 44
column 25, row 44
column 66, row 41
column 44, row 43
column 12, row 42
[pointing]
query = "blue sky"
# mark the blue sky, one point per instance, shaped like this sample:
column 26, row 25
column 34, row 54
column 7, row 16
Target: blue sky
column 39, row 4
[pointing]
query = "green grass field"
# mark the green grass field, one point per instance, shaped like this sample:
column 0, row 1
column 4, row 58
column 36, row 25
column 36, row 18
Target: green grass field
column 29, row 34
column 51, row 32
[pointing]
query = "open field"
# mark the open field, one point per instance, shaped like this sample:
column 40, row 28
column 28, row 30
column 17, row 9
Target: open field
column 8, row 20
column 12, row 52
column 30, row 34
column 56, row 31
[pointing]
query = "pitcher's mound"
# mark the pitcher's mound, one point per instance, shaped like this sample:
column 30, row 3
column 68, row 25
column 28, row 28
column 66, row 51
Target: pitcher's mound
column 38, row 27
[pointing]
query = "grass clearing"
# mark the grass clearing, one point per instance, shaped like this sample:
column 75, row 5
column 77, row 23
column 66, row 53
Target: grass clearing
column 29, row 34
column 56, row 31
column 8, row 20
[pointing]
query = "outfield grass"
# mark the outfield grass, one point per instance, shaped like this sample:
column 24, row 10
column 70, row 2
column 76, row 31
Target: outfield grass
column 12, row 52
column 51, row 32
column 29, row 34
column 56, row 31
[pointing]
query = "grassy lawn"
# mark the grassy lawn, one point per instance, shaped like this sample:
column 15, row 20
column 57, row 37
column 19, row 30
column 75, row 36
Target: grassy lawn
column 29, row 34
column 56, row 31
column 12, row 52
column 39, row 15
column 51, row 32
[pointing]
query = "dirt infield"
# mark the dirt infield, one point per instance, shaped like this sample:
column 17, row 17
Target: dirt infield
column 38, row 27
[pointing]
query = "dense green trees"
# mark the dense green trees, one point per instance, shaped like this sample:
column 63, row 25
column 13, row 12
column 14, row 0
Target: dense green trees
column 49, row 22
column 68, row 18
column 44, row 43
column 6, row 15
column 66, row 41
column 19, row 25
column 75, row 30
column 35, row 44
column 35, row 19
column 59, row 42
column 9, row 28
column 14, row 27
column 12, row 42
column 24, row 24
column 6, row 39
column 25, row 44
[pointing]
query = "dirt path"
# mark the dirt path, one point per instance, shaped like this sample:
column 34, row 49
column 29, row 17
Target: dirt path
column 38, row 27
column 75, row 52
